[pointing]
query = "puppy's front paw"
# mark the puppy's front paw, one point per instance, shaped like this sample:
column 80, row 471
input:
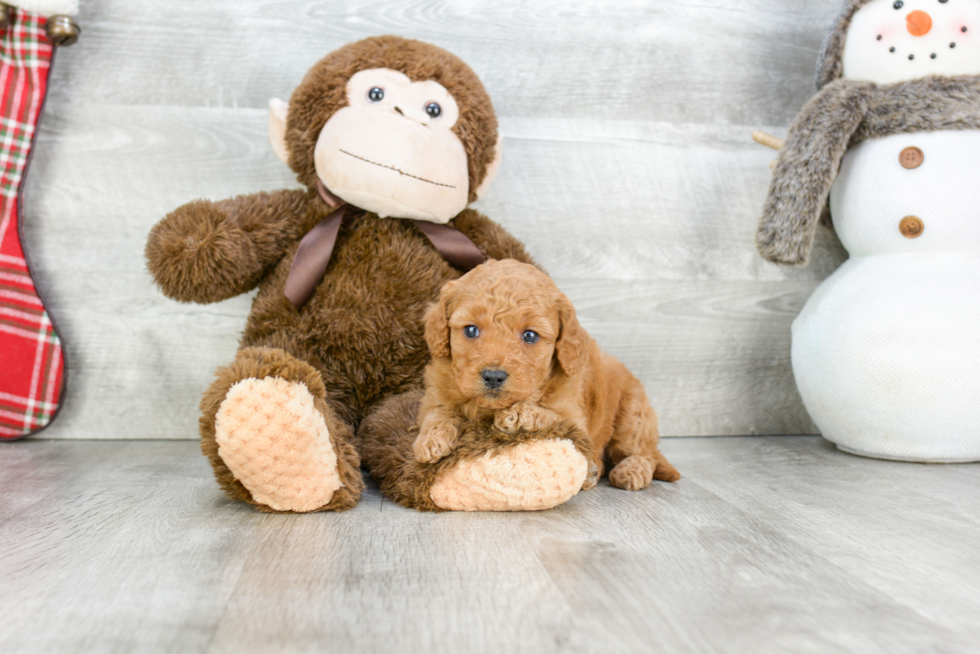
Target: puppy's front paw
column 524, row 415
column 534, row 417
column 632, row 473
column 435, row 442
column 508, row 420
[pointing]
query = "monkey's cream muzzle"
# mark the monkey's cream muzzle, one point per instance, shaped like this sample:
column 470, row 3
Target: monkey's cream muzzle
column 392, row 150
column 391, row 165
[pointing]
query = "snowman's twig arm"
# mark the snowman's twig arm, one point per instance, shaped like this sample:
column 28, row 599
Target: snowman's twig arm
column 806, row 168
column 768, row 140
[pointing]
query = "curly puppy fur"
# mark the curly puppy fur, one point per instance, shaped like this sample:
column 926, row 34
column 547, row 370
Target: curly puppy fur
column 558, row 373
column 843, row 114
column 361, row 331
column 387, row 434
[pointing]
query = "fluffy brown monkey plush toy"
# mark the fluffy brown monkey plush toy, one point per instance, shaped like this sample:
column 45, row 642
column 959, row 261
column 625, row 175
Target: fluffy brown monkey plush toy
column 392, row 139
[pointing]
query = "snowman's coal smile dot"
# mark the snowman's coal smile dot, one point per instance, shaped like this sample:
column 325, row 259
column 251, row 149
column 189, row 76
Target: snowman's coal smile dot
column 963, row 29
column 891, row 49
column 911, row 57
column 932, row 56
column 879, row 37
column 952, row 45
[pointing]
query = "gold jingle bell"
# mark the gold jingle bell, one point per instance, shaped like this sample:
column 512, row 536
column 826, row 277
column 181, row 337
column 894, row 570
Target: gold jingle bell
column 62, row 30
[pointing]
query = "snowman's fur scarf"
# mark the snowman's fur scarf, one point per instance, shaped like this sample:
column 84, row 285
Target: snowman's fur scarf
column 843, row 114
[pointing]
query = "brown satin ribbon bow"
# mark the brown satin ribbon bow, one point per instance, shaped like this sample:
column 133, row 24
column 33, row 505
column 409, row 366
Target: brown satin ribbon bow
column 315, row 249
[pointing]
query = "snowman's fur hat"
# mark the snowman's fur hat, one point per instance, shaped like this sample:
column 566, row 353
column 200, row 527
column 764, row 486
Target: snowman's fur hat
column 829, row 65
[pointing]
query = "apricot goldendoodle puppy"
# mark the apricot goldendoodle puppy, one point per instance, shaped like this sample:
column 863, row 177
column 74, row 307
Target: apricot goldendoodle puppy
column 505, row 340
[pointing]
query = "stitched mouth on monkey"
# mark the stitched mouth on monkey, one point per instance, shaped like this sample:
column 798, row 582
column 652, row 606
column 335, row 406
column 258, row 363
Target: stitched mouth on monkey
column 394, row 168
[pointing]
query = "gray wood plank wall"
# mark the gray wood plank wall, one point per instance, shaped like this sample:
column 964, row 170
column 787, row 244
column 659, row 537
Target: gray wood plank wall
column 628, row 171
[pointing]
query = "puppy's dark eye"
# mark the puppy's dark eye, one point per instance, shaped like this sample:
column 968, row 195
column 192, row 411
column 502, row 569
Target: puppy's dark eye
column 530, row 337
column 377, row 94
column 433, row 109
column 898, row 4
column 471, row 331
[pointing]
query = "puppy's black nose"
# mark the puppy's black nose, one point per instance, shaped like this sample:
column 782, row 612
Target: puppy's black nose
column 493, row 378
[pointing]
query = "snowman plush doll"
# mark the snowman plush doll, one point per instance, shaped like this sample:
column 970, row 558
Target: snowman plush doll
column 886, row 352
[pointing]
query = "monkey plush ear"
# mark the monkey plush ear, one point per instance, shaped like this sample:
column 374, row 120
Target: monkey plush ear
column 277, row 128
column 437, row 323
column 572, row 347
column 492, row 168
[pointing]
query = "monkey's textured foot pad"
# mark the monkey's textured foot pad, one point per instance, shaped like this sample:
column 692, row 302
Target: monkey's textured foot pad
column 487, row 470
column 276, row 443
column 529, row 476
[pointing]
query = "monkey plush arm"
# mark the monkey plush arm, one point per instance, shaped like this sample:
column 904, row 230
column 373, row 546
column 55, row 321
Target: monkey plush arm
column 806, row 168
column 490, row 237
column 209, row 251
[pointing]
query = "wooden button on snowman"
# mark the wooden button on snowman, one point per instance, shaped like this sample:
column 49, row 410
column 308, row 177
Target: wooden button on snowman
column 886, row 352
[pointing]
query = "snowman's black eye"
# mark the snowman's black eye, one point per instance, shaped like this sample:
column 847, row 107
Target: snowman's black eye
column 433, row 109
column 898, row 4
column 377, row 94
column 942, row 2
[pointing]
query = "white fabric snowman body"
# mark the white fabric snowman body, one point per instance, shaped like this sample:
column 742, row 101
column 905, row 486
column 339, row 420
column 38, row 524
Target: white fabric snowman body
column 886, row 352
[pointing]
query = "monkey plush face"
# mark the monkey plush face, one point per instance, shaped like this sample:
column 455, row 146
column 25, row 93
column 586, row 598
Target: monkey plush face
column 400, row 128
column 392, row 150
column 891, row 41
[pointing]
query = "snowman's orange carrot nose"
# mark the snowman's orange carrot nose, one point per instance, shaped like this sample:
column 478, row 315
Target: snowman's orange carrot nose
column 919, row 23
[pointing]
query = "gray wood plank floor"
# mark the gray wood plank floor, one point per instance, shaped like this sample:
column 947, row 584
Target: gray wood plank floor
column 628, row 170
column 769, row 544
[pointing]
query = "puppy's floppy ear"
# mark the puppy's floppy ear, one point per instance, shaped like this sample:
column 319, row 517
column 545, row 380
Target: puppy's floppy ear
column 572, row 347
column 437, row 323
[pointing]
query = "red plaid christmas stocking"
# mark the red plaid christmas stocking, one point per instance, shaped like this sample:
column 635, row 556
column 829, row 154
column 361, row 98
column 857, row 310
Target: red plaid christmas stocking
column 32, row 363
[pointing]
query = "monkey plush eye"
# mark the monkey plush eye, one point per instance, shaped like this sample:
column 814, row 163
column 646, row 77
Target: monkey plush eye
column 898, row 4
column 530, row 337
column 377, row 94
column 471, row 331
column 433, row 109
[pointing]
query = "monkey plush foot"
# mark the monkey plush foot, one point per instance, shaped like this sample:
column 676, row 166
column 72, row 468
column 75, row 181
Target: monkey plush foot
column 528, row 476
column 277, row 444
column 487, row 470
column 272, row 439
